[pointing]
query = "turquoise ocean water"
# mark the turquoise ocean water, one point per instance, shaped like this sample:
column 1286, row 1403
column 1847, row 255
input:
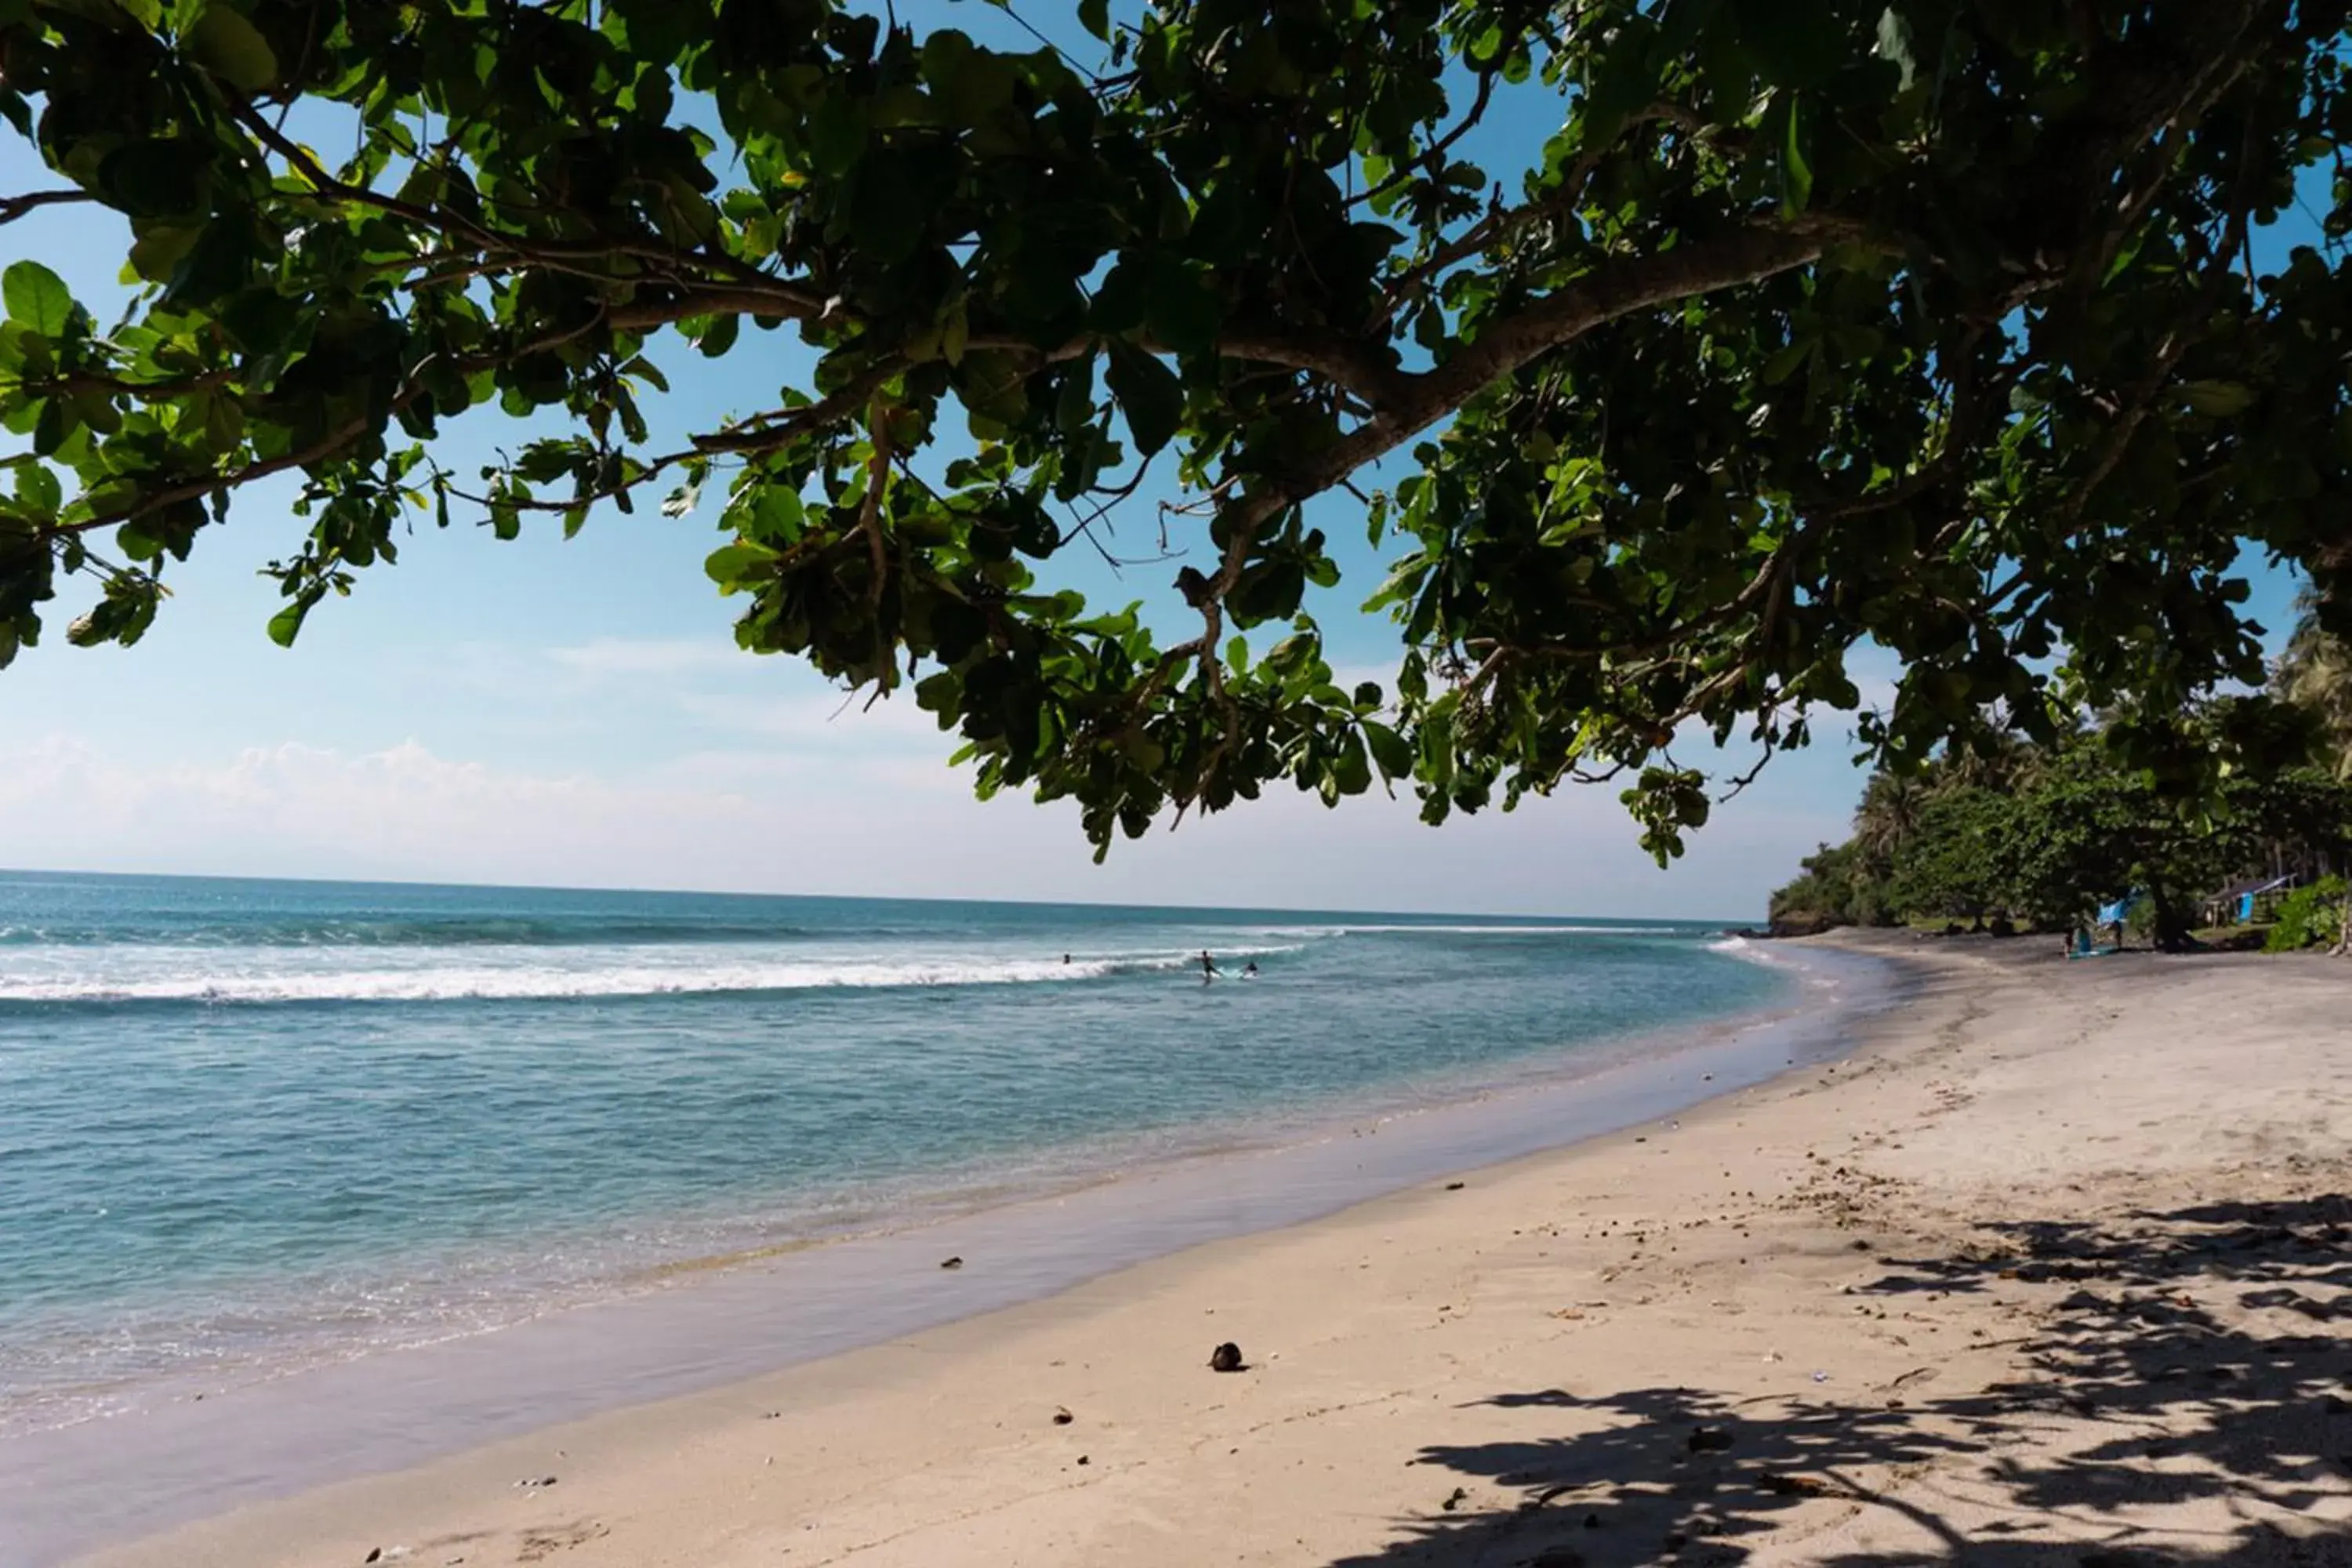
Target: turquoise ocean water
column 248, row 1125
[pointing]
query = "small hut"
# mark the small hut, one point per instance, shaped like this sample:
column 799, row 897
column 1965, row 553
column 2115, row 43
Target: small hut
column 2248, row 900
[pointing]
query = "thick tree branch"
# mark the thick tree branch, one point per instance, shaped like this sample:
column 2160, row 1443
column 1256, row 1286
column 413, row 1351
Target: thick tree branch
column 1616, row 289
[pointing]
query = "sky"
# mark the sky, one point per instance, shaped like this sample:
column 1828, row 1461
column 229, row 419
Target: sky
column 575, row 713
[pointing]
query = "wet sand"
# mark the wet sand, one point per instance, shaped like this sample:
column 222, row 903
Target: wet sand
column 2058, row 1265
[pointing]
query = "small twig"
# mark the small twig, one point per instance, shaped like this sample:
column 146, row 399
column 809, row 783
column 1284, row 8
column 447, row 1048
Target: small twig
column 878, row 478
column 766, row 432
column 1439, row 148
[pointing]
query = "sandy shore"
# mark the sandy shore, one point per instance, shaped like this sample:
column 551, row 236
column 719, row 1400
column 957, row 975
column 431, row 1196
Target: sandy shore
column 2051, row 1271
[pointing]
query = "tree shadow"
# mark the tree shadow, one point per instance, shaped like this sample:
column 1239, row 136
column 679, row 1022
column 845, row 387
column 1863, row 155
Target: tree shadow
column 2136, row 1396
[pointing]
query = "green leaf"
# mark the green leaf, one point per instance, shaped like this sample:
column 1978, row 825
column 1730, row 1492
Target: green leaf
column 731, row 565
column 1391, row 751
column 1149, row 393
column 1796, row 174
column 955, row 331
column 1894, row 44
column 1182, row 309
column 220, row 263
column 1793, row 43
column 37, row 486
column 165, row 177
column 286, row 624
column 232, row 49
column 2217, row 399
column 1624, row 78
column 719, row 336
column 1350, row 772
column 37, row 299
column 1094, row 15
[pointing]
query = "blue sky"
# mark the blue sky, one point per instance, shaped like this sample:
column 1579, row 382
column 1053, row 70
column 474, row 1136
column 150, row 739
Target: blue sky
column 577, row 713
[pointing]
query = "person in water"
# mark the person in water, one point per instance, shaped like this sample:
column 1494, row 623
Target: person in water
column 1208, row 967
column 1249, row 970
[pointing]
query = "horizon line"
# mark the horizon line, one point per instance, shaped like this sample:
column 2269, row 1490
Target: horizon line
column 19, row 871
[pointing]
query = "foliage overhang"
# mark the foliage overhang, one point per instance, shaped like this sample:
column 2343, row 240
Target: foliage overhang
column 1797, row 324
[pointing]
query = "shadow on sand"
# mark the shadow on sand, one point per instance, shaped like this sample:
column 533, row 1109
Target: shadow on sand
column 2153, row 1384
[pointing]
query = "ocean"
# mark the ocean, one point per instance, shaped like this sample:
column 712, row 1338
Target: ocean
column 248, row 1127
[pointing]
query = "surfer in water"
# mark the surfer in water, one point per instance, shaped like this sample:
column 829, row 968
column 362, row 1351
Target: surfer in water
column 1208, row 967
column 1249, row 970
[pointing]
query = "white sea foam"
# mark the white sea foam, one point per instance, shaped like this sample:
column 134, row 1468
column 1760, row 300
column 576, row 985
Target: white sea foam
column 1318, row 932
column 1749, row 952
column 529, row 975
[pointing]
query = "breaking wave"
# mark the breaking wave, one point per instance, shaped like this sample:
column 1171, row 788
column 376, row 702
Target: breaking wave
column 627, row 975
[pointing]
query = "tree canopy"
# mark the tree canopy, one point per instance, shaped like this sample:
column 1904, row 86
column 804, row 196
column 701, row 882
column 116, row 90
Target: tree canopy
column 2047, row 832
column 1765, row 331
column 2043, row 835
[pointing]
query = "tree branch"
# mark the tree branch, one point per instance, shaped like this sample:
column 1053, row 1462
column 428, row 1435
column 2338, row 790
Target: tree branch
column 1440, row 147
column 14, row 208
column 773, row 430
column 869, row 511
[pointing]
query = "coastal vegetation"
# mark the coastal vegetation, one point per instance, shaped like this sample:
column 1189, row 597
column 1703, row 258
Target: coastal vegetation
column 1667, row 353
column 2012, row 834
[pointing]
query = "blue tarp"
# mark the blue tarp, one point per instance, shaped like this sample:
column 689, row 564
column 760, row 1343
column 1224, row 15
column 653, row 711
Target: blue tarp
column 2110, row 914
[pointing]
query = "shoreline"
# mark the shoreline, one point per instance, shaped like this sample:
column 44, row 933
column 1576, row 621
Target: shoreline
column 421, row 1402
column 2052, row 1265
column 754, row 1122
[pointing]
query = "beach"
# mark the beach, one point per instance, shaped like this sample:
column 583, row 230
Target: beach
column 2048, row 1267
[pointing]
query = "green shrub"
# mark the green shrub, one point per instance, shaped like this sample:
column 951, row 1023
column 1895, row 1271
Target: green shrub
column 2310, row 916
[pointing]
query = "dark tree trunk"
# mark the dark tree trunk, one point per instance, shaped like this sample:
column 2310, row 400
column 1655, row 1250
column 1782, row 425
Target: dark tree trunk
column 2171, row 924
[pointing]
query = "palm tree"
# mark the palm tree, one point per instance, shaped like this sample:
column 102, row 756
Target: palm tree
column 2315, row 674
column 1998, row 760
column 1888, row 815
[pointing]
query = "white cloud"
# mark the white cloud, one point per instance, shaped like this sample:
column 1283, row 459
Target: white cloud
column 646, row 656
column 839, row 819
column 827, row 716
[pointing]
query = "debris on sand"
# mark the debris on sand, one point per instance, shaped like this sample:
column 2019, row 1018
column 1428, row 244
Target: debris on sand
column 1226, row 1357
